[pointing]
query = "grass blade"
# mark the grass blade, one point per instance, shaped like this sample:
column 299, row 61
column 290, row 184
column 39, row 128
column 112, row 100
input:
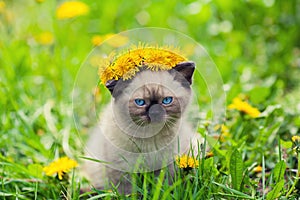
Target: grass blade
column 273, row 194
column 279, row 171
column 159, row 185
column 238, row 193
column 236, row 169
column 263, row 177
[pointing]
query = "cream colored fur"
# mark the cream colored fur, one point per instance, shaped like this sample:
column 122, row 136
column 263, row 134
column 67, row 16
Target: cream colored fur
column 122, row 149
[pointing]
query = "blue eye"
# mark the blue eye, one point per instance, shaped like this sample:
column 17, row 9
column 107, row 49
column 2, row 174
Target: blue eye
column 167, row 100
column 140, row 102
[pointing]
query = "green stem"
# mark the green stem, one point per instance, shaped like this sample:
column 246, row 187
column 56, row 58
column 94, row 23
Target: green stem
column 279, row 148
column 297, row 177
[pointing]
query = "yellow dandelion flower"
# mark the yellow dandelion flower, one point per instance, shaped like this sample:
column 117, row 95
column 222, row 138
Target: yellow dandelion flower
column 97, row 40
column 182, row 161
column 2, row 6
column 39, row 1
column 60, row 166
column 296, row 138
column 125, row 65
column 244, row 107
column 209, row 154
column 224, row 132
column 45, row 38
column 257, row 169
column 223, row 127
column 296, row 141
column 185, row 161
column 130, row 73
column 70, row 9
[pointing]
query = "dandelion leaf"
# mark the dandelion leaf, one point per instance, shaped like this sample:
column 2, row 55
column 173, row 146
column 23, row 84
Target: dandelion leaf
column 236, row 169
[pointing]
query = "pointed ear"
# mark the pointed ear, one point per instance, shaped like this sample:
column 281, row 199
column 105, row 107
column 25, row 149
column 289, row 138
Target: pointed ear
column 110, row 85
column 186, row 69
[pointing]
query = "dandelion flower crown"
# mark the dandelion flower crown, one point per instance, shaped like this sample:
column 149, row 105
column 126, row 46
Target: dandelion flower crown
column 125, row 65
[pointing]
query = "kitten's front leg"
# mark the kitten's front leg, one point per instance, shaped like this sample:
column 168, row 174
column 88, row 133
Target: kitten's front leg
column 122, row 180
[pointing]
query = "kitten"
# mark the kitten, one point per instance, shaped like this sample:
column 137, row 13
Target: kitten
column 143, row 127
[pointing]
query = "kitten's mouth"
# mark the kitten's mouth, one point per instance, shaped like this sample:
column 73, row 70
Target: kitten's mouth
column 155, row 114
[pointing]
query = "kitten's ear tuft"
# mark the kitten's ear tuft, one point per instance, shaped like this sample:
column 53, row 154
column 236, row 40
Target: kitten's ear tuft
column 186, row 69
column 110, row 85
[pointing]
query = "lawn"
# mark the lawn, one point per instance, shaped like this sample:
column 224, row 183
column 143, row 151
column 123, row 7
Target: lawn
column 252, row 51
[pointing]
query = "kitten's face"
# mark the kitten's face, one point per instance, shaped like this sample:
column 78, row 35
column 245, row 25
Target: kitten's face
column 155, row 103
column 152, row 97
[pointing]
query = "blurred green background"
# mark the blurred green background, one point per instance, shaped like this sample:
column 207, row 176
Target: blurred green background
column 255, row 45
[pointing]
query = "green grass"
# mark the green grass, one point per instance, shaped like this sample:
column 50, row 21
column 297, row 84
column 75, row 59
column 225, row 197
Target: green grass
column 254, row 45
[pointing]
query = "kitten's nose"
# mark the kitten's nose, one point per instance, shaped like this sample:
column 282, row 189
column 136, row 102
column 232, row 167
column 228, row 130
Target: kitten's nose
column 156, row 113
